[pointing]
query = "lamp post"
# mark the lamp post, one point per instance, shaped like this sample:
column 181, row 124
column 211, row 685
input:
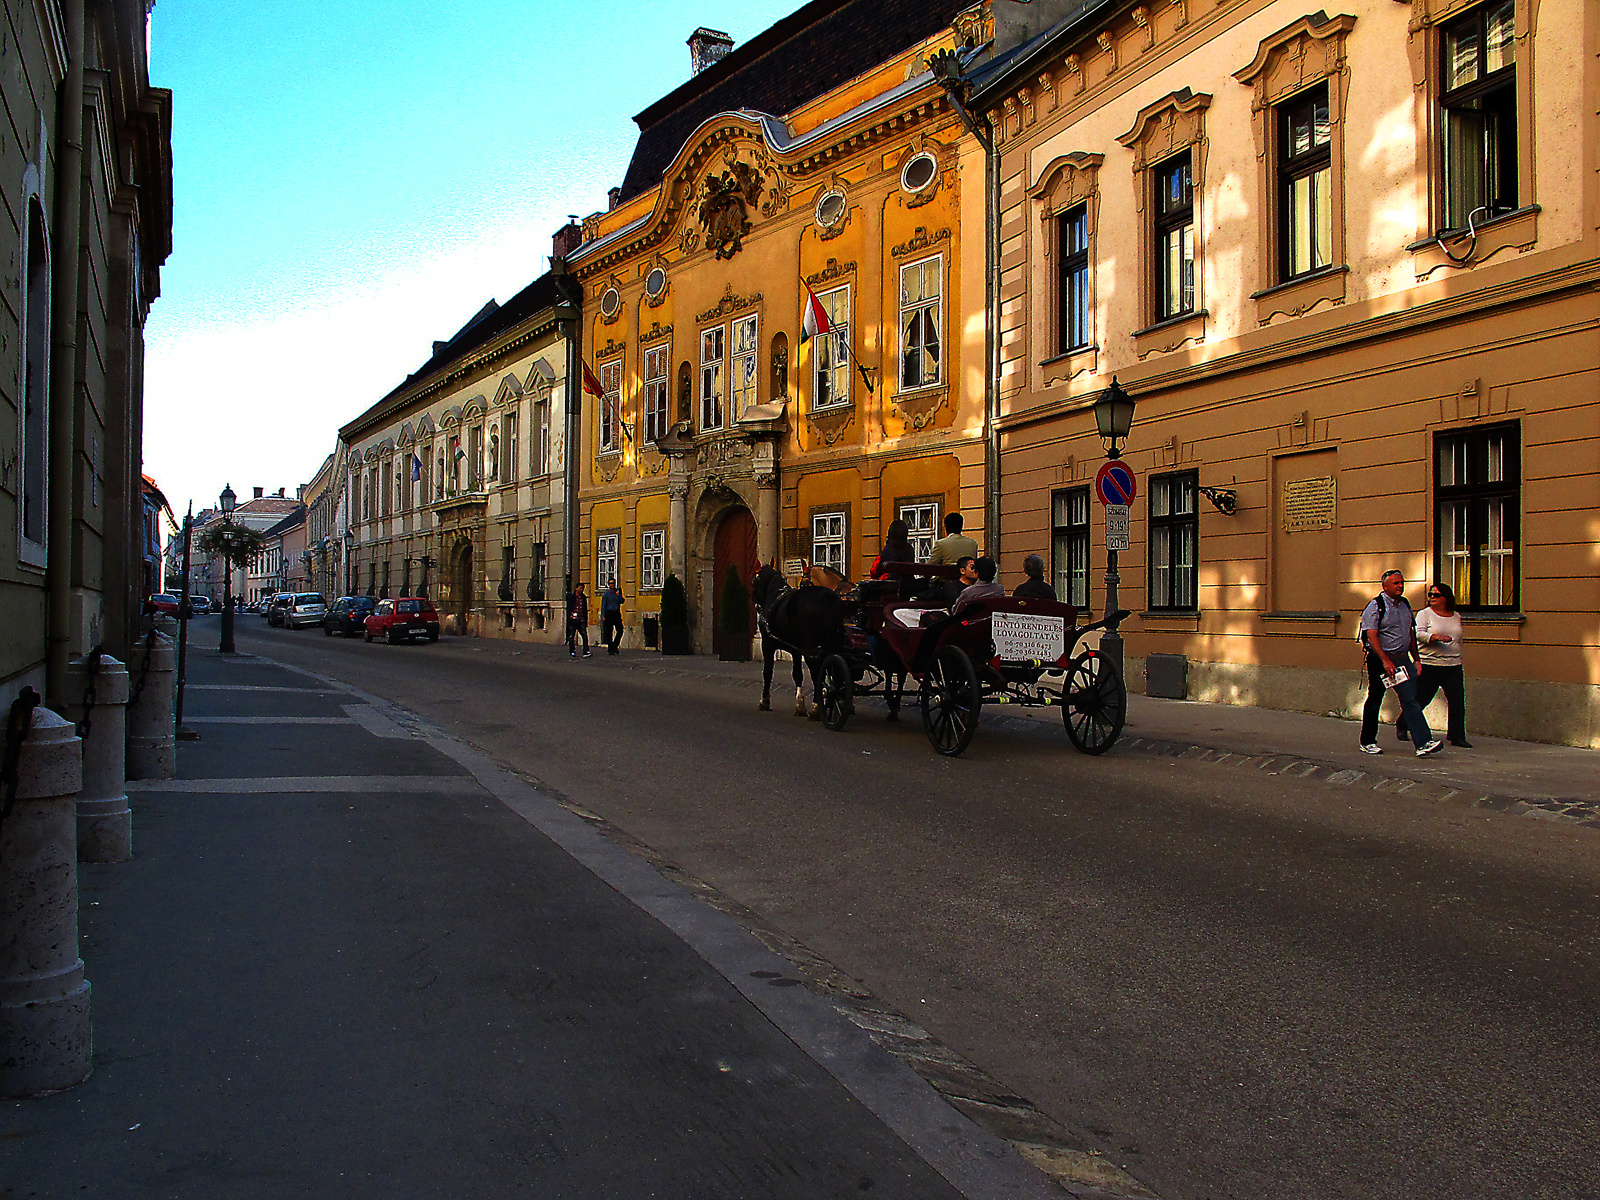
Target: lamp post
column 349, row 553
column 1113, row 417
column 227, row 500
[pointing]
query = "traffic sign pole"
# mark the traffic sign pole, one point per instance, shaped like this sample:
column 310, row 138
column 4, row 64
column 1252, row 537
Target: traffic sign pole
column 1115, row 485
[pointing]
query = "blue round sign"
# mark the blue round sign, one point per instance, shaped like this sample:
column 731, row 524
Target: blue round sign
column 1116, row 483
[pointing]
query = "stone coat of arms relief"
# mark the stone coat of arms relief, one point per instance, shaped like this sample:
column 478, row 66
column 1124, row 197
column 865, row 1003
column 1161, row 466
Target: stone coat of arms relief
column 725, row 203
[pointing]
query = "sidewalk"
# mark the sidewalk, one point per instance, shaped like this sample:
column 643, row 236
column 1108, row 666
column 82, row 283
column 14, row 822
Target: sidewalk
column 1531, row 778
column 354, row 958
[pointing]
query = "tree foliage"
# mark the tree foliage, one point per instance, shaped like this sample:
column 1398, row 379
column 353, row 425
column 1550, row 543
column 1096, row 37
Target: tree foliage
column 234, row 544
column 735, row 612
column 674, row 604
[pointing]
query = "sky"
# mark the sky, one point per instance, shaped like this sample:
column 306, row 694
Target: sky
column 354, row 180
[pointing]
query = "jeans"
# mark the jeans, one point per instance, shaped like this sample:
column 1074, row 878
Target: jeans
column 611, row 631
column 574, row 632
column 1453, row 682
column 1406, row 693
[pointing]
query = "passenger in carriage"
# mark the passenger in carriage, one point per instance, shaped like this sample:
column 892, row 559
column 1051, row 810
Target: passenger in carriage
column 896, row 548
column 1034, row 586
column 978, row 575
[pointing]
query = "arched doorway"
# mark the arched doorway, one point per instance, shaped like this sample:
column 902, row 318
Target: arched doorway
column 736, row 547
column 461, row 585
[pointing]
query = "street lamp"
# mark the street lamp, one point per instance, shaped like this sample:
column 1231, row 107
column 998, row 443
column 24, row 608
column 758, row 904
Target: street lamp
column 1113, row 417
column 227, row 500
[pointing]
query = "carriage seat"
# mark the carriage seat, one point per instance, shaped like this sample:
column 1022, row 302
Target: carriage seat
column 917, row 618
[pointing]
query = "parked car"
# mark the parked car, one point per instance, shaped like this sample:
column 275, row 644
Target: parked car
column 304, row 608
column 199, row 605
column 162, row 602
column 403, row 619
column 347, row 616
column 276, row 607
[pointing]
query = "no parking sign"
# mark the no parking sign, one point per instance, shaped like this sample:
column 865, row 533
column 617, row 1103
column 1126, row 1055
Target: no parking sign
column 1116, row 483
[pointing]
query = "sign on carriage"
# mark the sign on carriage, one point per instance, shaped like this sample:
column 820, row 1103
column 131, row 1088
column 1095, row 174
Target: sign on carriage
column 1116, row 483
column 1116, row 527
column 1025, row 637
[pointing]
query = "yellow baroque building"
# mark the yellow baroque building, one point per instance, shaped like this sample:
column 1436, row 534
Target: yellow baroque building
column 721, row 436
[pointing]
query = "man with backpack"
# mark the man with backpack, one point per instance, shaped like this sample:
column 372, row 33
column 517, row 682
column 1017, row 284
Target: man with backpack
column 1389, row 639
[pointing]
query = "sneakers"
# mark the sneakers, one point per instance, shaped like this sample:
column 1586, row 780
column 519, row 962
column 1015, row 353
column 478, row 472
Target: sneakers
column 572, row 654
column 1371, row 748
column 586, row 655
column 1432, row 747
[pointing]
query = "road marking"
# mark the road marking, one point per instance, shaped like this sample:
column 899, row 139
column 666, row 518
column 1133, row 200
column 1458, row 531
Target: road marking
column 271, row 720
column 453, row 785
column 375, row 722
column 251, row 687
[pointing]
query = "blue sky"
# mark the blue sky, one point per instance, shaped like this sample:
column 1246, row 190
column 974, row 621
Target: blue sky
column 353, row 180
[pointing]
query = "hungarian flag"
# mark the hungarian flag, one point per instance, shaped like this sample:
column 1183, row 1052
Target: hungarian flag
column 590, row 383
column 416, row 468
column 815, row 318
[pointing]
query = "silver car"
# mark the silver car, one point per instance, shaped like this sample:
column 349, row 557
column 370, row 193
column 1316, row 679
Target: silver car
column 304, row 608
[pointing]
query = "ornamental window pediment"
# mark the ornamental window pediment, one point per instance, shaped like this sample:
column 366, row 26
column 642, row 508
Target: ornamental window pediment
column 509, row 391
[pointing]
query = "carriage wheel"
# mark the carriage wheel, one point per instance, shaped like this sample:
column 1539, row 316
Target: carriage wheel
column 951, row 699
column 1095, row 702
column 837, row 690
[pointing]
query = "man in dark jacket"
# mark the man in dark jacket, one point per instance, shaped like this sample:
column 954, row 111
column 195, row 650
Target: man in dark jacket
column 611, row 616
column 577, row 621
column 1034, row 585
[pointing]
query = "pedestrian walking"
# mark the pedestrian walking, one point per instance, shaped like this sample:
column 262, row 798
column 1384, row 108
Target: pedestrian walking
column 1389, row 641
column 1439, row 648
column 954, row 545
column 577, row 621
column 611, row 616
column 1034, row 585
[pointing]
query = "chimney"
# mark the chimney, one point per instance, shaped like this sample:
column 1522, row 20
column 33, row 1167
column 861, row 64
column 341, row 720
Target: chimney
column 258, row 492
column 707, row 46
column 280, row 494
column 567, row 239
column 614, row 198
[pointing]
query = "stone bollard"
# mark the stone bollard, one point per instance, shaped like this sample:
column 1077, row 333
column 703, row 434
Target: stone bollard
column 44, row 999
column 105, row 823
column 152, row 749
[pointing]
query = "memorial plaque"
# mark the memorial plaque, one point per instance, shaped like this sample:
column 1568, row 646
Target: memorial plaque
column 1309, row 504
column 1025, row 637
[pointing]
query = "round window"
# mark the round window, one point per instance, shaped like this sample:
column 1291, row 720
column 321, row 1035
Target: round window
column 655, row 283
column 610, row 302
column 830, row 209
column 919, row 173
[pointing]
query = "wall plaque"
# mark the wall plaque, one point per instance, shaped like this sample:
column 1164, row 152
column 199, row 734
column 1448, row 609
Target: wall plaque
column 1309, row 504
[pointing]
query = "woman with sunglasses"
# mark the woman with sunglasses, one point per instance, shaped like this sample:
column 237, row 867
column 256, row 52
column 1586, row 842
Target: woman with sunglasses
column 1439, row 648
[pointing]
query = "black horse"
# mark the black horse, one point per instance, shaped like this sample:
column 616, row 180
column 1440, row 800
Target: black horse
column 807, row 622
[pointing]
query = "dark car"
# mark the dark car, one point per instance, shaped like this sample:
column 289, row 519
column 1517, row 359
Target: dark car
column 347, row 616
column 403, row 619
column 277, row 606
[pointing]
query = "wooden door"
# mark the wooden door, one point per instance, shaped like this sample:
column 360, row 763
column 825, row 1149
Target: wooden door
column 736, row 546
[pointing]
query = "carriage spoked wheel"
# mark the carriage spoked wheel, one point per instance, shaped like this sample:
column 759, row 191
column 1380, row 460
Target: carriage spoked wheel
column 838, row 690
column 1095, row 704
column 951, row 699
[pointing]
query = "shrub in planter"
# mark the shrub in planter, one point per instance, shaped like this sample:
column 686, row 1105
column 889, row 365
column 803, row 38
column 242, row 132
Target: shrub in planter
column 734, row 618
column 674, row 617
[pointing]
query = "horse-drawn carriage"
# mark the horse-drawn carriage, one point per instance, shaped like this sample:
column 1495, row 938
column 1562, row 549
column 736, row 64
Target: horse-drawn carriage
column 1003, row 650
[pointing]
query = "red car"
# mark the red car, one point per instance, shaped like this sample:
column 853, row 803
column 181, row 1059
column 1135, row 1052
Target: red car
column 403, row 619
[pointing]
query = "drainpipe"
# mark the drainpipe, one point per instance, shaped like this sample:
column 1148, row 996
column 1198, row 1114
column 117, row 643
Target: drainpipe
column 574, row 397
column 64, row 359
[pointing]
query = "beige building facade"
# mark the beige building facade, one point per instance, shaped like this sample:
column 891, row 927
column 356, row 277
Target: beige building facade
column 454, row 483
column 1346, row 263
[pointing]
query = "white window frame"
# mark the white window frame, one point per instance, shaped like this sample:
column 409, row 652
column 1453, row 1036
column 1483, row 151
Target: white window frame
column 539, row 440
column 607, row 554
column 922, row 537
column 657, row 391
column 837, row 337
column 712, row 375
column 652, row 559
column 913, row 309
column 830, row 531
column 508, row 448
column 744, row 356
column 611, row 398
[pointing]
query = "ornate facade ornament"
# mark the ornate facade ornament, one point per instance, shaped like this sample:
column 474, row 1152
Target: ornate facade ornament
column 729, row 304
column 725, row 203
column 834, row 270
column 689, row 240
column 832, row 424
column 973, row 26
column 920, row 240
column 655, row 333
column 612, row 347
column 722, row 452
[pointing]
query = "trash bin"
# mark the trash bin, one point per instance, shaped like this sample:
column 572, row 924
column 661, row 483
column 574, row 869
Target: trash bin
column 652, row 632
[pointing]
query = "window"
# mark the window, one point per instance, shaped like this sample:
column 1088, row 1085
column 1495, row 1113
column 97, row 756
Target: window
column 744, row 365
column 1477, row 487
column 1072, row 302
column 605, row 559
column 35, row 389
column 508, row 565
column 831, row 363
column 457, row 455
column 407, row 470
column 1174, row 532
column 922, row 525
column 475, row 459
column 827, row 540
column 366, row 496
column 655, row 393
column 611, row 385
column 536, row 573
column 1174, row 230
column 920, row 293
column 712, row 352
column 1479, row 117
column 1069, row 545
column 510, row 442
column 540, row 447
column 1305, row 183
column 652, row 559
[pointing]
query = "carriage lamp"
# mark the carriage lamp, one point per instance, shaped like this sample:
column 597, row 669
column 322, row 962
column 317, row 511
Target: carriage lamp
column 1113, row 416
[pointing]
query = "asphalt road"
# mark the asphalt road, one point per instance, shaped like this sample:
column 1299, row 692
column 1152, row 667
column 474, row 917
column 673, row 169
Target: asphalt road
column 1234, row 986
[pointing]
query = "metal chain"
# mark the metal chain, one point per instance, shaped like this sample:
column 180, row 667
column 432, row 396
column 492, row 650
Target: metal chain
column 144, row 669
column 93, row 662
column 19, row 721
